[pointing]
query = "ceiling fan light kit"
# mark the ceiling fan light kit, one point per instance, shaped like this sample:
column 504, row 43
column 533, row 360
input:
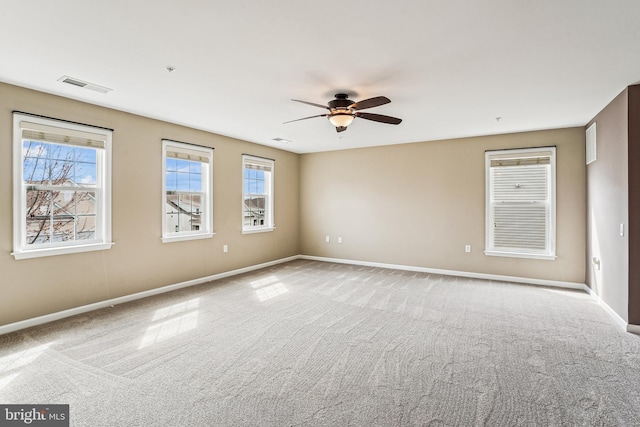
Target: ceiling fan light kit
column 343, row 111
column 341, row 119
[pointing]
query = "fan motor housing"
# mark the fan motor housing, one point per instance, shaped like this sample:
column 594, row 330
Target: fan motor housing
column 341, row 102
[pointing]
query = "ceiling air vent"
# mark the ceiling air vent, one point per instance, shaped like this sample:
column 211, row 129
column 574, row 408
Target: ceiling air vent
column 86, row 85
column 284, row 141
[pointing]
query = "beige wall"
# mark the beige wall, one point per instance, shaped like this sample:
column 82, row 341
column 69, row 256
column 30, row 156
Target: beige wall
column 420, row 204
column 608, row 207
column 139, row 260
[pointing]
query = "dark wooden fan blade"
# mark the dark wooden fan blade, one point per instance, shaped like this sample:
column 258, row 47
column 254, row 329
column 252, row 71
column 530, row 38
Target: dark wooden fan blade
column 312, row 103
column 379, row 118
column 305, row 118
column 370, row 103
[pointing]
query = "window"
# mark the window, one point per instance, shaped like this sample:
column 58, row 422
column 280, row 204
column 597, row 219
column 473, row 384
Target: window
column 187, row 202
column 62, row 187
column 257, row 194
column 521, row 203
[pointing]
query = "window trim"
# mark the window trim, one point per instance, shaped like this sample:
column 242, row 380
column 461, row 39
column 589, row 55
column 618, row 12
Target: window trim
column 103, row 186
column 550, row 244
column 269, row 206
column 205, row 232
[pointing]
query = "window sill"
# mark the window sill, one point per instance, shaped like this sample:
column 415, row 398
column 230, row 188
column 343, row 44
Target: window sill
column 257, row 230
column 521, row 255
column 185, row 237
column 37, row 253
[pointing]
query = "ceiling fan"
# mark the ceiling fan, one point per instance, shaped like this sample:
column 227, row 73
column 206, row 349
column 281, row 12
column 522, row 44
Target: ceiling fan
column 342, row 111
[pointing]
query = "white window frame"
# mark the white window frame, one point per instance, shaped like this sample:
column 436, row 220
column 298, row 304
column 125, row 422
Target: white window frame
column 549, row 252
column 47, row 129
column 204, row 155
column 269, row 166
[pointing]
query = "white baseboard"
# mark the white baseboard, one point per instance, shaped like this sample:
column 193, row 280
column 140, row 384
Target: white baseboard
column 634, row 329
column 618, row 319
column 11, row 327
column 513, row 279
column 5, row 329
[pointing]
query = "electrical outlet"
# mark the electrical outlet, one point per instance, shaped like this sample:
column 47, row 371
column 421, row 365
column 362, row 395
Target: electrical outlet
column 327, row 239
column 339, row 239
column 225, row 249
column 467, row 248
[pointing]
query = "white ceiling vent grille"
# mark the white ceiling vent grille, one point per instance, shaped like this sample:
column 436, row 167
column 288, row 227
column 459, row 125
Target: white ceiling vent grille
column 284, row 141
column 86, row 85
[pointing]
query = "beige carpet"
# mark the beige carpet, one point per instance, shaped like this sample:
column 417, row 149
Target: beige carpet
column 318, row 344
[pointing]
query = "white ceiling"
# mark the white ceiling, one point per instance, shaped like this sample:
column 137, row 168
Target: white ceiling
column 450, row 67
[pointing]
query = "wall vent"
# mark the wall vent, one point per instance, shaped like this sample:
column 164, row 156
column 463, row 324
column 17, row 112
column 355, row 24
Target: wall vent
column 86, row 85
column 591, row 143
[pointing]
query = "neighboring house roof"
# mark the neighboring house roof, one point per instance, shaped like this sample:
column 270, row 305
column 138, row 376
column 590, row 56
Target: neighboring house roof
column 254, row 206
column 255, row 202
column 191, row 205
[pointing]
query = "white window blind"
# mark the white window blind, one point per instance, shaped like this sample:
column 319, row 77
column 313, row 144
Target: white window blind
column 521, row 203
column 189, row 154
column 258, row 165
column 57, row 135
